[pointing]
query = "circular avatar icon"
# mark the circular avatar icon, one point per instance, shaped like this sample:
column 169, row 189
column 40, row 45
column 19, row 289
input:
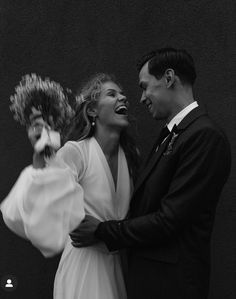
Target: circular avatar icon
column 8, row 282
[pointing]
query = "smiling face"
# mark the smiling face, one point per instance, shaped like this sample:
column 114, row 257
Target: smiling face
column 155, row 94
column 112, row 107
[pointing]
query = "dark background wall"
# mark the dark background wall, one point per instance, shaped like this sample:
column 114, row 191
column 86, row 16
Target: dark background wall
column 70, row 40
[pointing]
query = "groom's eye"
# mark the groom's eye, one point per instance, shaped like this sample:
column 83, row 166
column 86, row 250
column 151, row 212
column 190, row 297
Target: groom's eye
column 142, row 86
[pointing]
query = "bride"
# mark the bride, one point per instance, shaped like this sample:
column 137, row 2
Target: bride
column 91, row 175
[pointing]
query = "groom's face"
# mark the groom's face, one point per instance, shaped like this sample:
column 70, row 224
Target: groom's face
column 155, row 94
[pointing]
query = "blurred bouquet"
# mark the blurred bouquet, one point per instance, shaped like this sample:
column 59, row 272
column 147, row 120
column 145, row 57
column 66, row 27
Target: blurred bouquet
column 35, row 98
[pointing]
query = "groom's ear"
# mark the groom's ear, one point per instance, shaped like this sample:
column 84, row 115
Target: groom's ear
column 170, row 78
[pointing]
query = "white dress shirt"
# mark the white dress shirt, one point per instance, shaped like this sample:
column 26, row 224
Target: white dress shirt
column 181, row 115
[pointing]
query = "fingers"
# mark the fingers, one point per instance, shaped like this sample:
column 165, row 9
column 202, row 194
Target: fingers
column 79, row 236
column 82, row 240
column 35, row 129
column 82, row 244
column 74, row 237
column 34, row 134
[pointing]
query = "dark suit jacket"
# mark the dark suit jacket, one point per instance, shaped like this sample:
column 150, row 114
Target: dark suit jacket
column 172, row 211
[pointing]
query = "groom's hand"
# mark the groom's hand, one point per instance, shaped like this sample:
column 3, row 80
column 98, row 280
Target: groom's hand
column 83, row 235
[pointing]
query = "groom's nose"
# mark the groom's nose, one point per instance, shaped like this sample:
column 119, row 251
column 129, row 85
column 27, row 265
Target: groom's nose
column 143, row 98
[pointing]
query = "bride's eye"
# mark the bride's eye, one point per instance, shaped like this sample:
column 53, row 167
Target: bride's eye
column 111, row 94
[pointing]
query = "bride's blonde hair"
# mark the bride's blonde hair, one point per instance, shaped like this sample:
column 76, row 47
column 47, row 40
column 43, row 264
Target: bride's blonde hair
column 81, row 126
column 87, row 97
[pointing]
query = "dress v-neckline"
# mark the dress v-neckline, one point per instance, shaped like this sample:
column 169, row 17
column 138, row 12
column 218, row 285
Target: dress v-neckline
column 107, row 167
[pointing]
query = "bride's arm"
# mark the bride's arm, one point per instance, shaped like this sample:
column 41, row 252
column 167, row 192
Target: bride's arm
column 46, row 203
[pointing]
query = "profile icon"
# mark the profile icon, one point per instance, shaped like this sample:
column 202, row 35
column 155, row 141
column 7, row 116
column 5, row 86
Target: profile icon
column 9, row 284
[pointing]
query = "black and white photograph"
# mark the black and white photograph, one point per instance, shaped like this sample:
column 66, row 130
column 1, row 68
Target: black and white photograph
column 118, row 149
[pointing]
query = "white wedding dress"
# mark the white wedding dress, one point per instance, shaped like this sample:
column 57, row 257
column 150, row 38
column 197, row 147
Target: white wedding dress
column 46, row 204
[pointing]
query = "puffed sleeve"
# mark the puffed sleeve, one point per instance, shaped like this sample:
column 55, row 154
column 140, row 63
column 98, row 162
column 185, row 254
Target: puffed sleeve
column 46, row 204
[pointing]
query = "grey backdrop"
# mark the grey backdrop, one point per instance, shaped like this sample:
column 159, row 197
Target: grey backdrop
column 70, row 40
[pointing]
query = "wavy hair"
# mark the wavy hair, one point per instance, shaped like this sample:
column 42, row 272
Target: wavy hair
column 82, row 128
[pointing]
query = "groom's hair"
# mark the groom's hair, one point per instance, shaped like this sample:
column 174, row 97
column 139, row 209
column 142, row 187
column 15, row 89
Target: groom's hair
column 177, row 59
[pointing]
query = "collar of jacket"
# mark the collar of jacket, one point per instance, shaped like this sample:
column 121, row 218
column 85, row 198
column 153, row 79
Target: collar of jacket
column 189, row 118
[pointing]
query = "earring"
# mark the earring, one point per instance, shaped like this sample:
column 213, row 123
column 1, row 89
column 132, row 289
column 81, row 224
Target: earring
column 93, row 122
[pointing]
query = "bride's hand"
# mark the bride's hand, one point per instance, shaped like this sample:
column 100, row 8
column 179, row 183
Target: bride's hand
column 34, row 134
column 35, row 130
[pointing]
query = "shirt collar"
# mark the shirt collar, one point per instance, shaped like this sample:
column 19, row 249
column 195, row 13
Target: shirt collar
column 181, row 115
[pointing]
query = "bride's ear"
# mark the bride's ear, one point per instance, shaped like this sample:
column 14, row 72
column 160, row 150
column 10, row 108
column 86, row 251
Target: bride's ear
column 92, row 110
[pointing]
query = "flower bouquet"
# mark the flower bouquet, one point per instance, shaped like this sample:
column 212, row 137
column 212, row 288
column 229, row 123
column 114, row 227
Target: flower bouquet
column 43, row 102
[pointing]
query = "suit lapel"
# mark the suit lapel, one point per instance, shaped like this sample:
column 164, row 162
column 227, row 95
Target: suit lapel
column 151, row 163
column 191, row 117
column 149, row 156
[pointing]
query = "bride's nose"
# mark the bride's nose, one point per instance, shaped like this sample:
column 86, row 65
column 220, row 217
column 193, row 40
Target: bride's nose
column 122, row 98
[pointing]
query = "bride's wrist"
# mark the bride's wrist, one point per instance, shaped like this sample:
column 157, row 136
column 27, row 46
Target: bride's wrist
column 38, row 160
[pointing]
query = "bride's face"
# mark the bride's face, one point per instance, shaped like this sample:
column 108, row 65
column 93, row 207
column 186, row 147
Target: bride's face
column 112, row 107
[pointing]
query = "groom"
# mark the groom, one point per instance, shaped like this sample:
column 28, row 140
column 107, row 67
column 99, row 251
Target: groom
column 172, row 210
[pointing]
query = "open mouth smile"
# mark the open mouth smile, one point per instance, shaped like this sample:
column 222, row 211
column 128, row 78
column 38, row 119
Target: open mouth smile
column 122, row 110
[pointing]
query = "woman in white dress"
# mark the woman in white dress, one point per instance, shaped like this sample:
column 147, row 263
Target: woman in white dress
column 91, row 175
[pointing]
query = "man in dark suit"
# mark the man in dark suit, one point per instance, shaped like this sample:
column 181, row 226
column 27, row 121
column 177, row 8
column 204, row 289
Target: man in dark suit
column 172, row 210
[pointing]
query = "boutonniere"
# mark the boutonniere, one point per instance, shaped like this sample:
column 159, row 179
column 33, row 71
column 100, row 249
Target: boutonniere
column 170, row 145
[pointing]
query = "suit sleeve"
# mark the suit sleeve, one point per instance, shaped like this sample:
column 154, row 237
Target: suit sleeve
column 203, row 167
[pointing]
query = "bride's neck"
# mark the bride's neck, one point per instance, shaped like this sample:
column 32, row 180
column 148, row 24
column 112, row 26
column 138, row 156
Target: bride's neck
column 108, row 141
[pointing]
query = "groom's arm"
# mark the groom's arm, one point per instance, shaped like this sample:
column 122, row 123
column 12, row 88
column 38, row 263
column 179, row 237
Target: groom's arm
column 203, row 168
